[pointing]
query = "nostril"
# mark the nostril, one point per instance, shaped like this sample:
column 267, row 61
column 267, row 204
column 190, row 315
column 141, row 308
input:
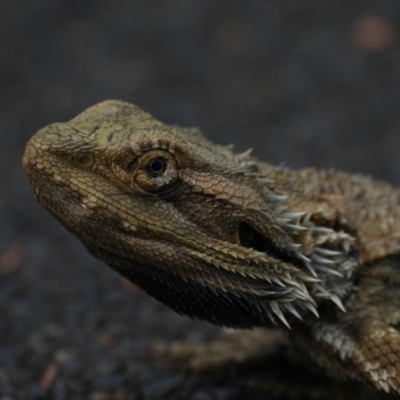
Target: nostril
column 85, row 160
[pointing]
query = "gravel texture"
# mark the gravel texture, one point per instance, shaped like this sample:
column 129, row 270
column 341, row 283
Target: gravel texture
column 302, row 82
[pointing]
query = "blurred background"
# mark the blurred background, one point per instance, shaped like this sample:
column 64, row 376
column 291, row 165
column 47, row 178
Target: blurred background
column 306, row 83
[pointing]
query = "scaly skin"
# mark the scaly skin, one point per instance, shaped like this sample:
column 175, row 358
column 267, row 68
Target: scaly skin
column 231, row 240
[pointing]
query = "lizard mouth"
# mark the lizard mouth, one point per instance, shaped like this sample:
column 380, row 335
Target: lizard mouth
column 252, row 239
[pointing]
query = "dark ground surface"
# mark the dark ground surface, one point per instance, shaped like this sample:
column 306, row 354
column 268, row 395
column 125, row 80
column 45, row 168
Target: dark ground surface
column 306, row 82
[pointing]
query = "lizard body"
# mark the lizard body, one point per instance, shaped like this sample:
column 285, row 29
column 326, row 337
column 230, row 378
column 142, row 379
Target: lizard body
column 226, row 238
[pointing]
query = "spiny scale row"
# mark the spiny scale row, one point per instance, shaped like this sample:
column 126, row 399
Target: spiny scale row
column 295, row 223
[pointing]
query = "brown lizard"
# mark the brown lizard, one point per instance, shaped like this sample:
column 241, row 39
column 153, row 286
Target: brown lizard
column 226, row 238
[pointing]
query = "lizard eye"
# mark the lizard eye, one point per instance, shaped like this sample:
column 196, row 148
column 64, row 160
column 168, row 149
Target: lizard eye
column 155, row 171
column 156, row 166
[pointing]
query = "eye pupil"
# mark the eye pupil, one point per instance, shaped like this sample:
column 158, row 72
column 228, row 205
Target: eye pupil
column 157, row 166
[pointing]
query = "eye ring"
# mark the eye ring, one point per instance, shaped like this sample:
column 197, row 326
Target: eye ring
column 157, row 166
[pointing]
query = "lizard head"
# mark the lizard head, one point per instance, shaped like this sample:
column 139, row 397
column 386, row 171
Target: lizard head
column 196, row 226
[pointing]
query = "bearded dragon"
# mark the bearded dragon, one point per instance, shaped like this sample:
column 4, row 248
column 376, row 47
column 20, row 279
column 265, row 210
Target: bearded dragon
column 226, row 238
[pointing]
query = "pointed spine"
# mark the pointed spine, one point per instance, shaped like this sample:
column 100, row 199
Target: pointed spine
column 312, row 309
column 336, row 300
column 278, row 312
column 245, row 154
